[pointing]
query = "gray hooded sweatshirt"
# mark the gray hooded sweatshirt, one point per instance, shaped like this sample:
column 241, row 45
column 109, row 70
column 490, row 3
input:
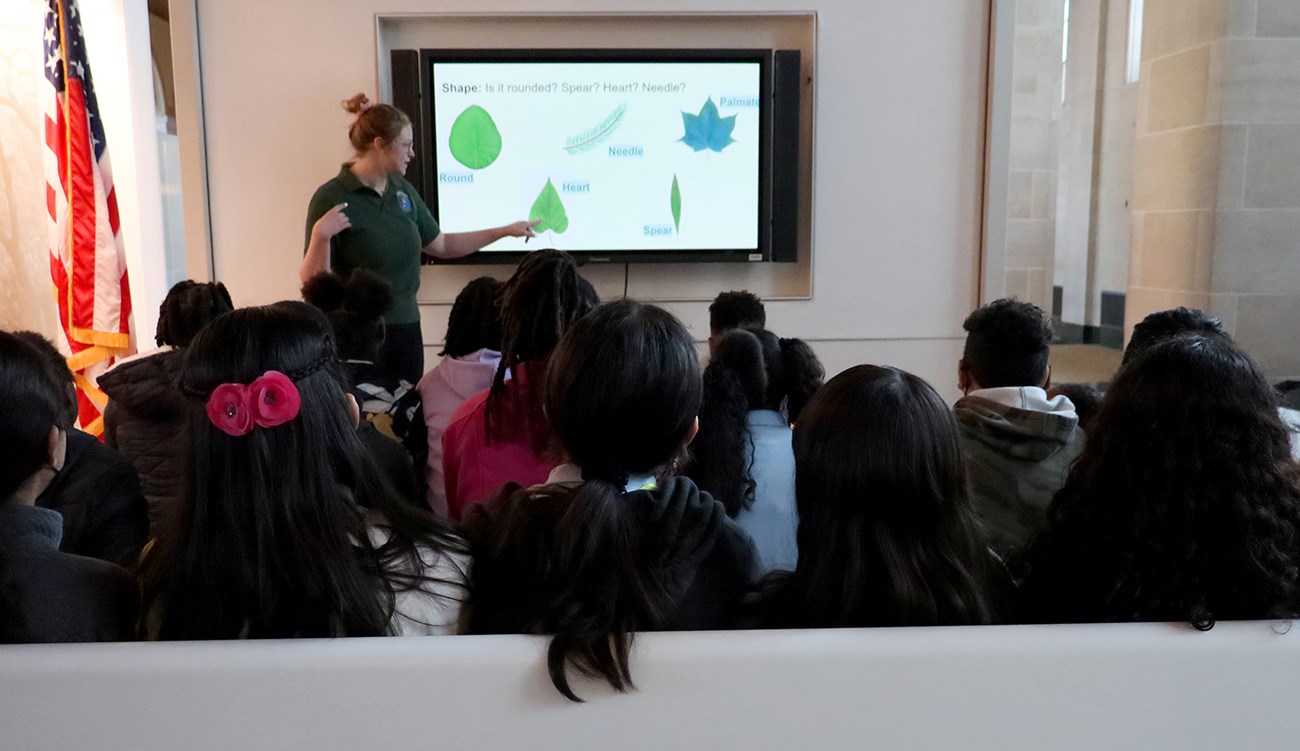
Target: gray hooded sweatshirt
column 1019, row 447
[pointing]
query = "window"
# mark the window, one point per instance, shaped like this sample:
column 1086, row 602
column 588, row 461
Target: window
column 1134, row 40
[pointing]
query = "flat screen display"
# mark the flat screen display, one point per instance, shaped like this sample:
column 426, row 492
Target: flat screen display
column 612, row 156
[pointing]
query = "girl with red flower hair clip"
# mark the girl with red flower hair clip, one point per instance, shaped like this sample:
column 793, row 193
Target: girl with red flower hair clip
column 289, row 530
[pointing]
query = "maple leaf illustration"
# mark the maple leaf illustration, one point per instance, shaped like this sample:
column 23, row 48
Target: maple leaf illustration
column 706, row 130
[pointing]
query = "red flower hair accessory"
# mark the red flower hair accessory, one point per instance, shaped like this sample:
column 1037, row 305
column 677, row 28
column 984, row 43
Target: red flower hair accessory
column 270, row 400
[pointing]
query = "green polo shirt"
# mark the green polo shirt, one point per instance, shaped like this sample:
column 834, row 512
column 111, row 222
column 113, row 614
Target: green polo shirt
column 387, row 235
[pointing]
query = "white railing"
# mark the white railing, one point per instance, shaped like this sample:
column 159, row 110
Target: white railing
column 1142, row 686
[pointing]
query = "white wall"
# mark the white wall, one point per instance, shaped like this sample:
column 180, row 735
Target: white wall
column 1000, row 688
column 897, row 167
column 117, row 41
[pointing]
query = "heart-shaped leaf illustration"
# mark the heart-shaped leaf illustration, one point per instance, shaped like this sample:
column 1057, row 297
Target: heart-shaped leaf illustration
column 475, row 141
column 676, row 202
column 550, row 209
column 706, row 130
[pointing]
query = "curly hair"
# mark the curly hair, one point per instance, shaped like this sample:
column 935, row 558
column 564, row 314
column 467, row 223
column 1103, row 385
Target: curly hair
column 188, row 307
column 736, row 310
column 1185, row 504
column 1007, row 344
column 355, row 305
column 1166, row 324
column 475, row 320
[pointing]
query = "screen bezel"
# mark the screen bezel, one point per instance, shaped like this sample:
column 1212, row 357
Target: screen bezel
column 428, row 162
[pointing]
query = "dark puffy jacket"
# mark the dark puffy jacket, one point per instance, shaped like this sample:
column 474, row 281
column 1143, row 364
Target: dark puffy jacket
column 145, row 422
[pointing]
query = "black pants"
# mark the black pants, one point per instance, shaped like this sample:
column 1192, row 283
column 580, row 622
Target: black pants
column 403, row 351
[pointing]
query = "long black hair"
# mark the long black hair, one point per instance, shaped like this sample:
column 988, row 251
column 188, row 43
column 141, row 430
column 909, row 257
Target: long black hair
column 622, row 392
column 31, row 405
column 272, row 542
column 475, row 319
column 187, row 308
column 886, row 536
column 539, row 302
column 751, row 369
column 1184, row 504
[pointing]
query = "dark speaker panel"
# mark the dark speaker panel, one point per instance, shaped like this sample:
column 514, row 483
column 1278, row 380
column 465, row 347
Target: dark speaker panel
column 407, row 97
column 787, row 87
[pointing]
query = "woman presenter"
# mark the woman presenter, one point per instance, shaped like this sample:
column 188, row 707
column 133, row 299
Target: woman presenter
column 370, row 217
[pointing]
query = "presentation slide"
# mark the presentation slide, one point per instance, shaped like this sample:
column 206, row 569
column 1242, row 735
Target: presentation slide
column 610, row 156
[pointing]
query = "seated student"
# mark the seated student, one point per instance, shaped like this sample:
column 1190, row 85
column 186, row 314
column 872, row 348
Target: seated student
column 288, row 529
column 1085, row 397
column 143, row 420
column 735, row 310
column 607, row 547
column 1017, row 442
column 1185, row 504
column 886, row 533
column 501, row 435
column 469, row 361
column 355, row 307
column 97, row 492
column 46, row 595
column 742, row 455
column 1166, row 324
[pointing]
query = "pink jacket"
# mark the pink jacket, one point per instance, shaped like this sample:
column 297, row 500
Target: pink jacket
column 443, row 390
column 475, row 470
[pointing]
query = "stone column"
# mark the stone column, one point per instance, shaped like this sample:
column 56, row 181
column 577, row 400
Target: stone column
column 1216, row 205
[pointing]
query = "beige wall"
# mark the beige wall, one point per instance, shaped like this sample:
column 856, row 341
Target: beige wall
column 1032, row 185
column 897, row 162
column 1217, row 180
column 26, row 302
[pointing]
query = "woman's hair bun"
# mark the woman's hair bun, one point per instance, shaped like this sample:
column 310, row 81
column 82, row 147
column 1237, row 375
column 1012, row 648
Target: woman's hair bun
column 367, row 294
column 356, row 103
column 325, row 291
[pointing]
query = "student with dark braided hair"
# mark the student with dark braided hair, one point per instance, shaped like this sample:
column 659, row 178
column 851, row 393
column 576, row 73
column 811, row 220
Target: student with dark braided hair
column 502, row 435
column 143, row 420
column 753, row 385
column 469, row 362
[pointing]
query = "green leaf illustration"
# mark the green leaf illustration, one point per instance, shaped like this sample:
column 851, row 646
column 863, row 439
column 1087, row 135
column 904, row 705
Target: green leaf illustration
column 475, row 140
column 550, row 209
column 593, row 137
column 676, row 203
column 706, row 130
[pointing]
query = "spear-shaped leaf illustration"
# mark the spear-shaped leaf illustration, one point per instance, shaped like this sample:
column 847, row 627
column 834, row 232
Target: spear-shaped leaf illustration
column 676, row 203
column 593, row 137
column 474, row 139
column 550, row 209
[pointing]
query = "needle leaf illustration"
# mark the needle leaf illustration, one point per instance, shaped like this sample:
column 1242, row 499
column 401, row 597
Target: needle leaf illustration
column 595, row 136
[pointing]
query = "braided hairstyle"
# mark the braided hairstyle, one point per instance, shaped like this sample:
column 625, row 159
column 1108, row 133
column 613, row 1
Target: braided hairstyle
column 751, row 369
column 475, row 320
column 539, row 302
column 188, row 307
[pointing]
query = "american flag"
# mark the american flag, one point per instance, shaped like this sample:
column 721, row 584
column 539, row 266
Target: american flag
column 87, row 264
